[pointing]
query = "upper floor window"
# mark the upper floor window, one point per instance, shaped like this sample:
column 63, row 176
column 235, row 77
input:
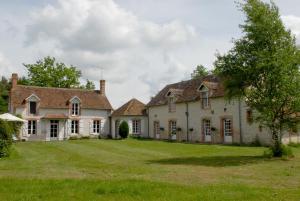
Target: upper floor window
column 204, row 99
column 75, row 109
column 32, row 107
column 172, row 104
column 249, row 116
column 136, row 126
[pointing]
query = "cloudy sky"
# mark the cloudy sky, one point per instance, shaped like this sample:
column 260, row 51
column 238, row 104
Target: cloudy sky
column 140, row 45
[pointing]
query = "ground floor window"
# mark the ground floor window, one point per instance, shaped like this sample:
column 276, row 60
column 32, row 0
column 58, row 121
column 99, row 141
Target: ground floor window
column 206, row 127
column 156, row 128
column 54, row 124
column 172, row 127
column 227, row 127
column 96, row 126
column 117, row 125
column 74, row 126
column 31, row 128
column 136, row 126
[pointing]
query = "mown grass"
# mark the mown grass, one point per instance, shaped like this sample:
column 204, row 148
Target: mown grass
column 145, row 170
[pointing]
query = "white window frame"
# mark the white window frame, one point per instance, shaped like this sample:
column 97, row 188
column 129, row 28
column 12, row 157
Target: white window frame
column 207, row 127
column 75, row 109
column 136, row 126
column 96, row 126
column 205, row 99
column 172, row 104
column 31, row 127
column 75, row 127
column 173, row 127
column 156, row 128
column 227, row 127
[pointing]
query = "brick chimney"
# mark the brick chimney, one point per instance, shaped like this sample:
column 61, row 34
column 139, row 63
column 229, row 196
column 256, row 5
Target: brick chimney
column 14, row 80
column 102, row 87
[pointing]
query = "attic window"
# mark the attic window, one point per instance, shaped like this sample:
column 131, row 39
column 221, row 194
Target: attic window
column 169, row 93
column 204, row 99
column 172, row 104
column 32, row 107
column 75, row 109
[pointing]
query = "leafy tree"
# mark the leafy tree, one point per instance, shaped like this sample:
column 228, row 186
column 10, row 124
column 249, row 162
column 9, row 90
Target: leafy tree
column 49, row 73
column 89, row 85
column 5, row 138
column 124, row 129
column 263, row 68
column 4, row 93
column 199, row 72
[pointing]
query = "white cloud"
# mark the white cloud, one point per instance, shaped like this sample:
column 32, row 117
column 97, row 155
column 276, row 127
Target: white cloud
column 138, row 56
column 293, row 23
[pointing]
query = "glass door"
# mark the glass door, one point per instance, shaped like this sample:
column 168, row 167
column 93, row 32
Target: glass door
column 54, row 127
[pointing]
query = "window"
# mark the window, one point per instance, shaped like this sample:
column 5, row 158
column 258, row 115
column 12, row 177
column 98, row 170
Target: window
column 206, row 127
column 117, row 125
column 136, row 126
column 172, row 104
column 156, row 128
column 204, row 99
column 172, row 127
column 31, row 128
column 32, row 107
column 54, row 124
column 96, row 126
column 74, row 126
column 227, row 127
column 75, row 109
column 249, row 116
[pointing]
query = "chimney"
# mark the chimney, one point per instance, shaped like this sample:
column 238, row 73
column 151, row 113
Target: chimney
column 102, row 87
column 14, row 80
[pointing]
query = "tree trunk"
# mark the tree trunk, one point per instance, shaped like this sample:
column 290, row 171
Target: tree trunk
column 277, row 148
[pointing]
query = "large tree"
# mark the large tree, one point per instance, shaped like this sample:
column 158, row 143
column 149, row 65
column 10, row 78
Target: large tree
column 199, row 72
column 4, row 90
column 49, row 73
column 263, row 68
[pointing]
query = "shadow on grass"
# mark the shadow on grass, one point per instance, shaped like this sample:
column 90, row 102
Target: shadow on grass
column 212, row 161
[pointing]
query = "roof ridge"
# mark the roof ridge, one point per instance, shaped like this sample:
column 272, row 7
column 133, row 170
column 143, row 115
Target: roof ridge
column 39, row 87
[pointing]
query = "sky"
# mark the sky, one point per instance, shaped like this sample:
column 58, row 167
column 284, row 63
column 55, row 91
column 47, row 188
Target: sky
column 136, row 46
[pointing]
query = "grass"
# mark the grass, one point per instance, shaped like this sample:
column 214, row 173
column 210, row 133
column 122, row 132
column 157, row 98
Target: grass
column 145, row 170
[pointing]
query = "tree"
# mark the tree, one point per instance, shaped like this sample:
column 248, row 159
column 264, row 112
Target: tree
column 199, row 72
column 4, row 91
column 5, row 138
column 263, row 68
column 124, row 129
column 49, row 73
column 89, row 85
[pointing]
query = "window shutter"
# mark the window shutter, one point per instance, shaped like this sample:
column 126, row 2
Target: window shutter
column 102, row 121
column 68, row 127
column 38, row 127
column 25, row 129
column 81, row 125
column 91, row 126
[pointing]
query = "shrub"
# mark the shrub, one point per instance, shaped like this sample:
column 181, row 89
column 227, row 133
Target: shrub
column 124, row 129
column 293, row 144
column 284, row 152
column 5, row 138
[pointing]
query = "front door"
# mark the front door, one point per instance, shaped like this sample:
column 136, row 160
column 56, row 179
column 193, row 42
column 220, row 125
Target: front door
column 227, row 130
column 156, row 130
column 54, row 128
column 207, row 130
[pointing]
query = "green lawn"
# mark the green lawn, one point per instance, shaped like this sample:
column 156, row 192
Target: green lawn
column 145, row 170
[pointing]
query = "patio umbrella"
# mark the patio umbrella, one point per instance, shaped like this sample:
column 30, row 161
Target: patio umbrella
column 10, row 117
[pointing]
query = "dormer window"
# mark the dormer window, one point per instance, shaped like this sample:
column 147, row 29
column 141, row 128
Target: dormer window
column 32, row 104
column 75, row 106
column 205, row 99
column 204, row 94
column 32, row 107
column 172, row 104
column 75, row 109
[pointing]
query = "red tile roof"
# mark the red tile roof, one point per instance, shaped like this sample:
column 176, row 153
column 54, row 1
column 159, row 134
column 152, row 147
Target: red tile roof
column 189, row 90
column 132, row 108
column 59, row 97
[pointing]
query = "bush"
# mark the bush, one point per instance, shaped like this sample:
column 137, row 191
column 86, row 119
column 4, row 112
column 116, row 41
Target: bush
column 284, row 152
column 124, row 130
column 5, row 138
